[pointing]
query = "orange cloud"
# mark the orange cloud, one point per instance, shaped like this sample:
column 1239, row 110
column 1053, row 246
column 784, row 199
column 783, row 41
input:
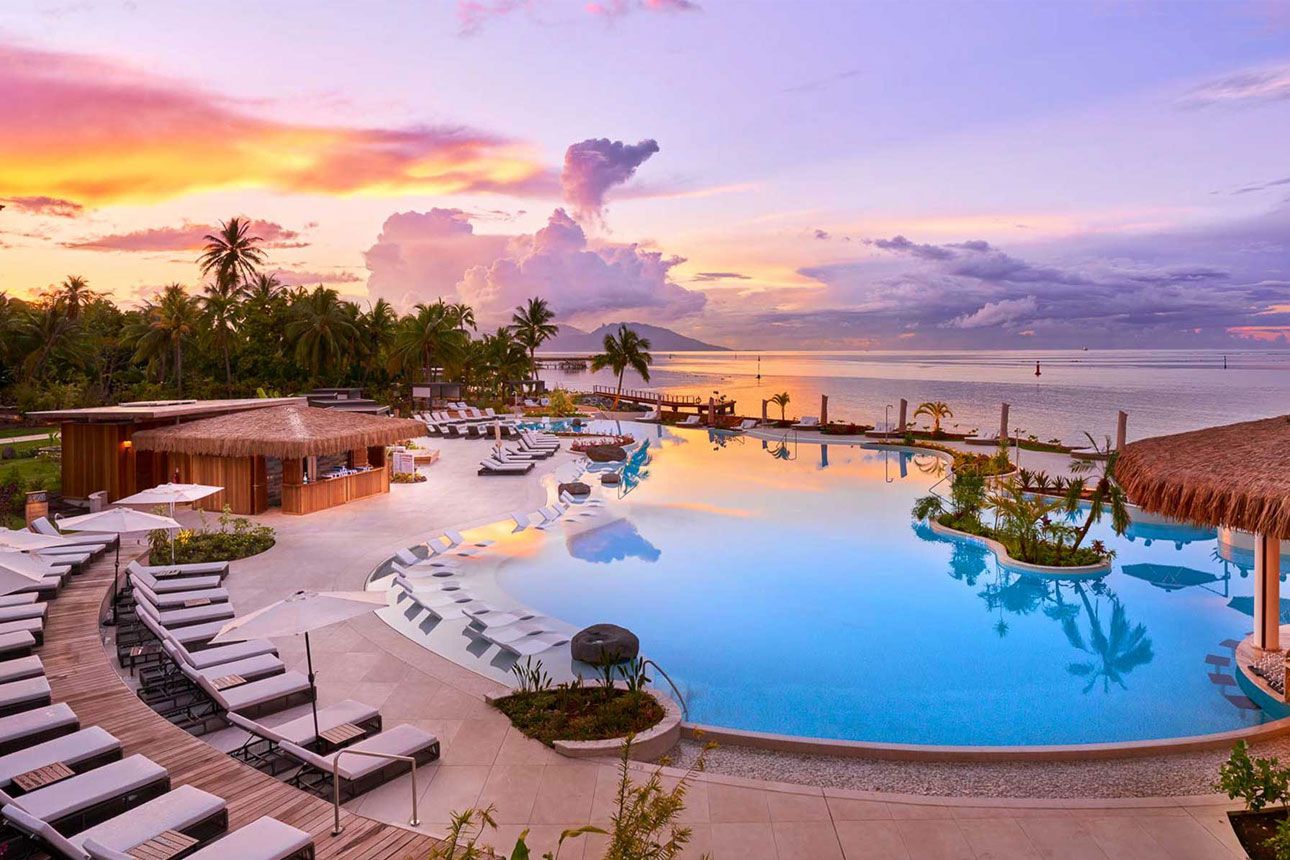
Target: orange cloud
column 85, row 130
column 186, row 237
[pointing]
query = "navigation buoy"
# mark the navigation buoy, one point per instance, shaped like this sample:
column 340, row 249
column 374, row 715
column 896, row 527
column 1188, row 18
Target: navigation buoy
column 1036, row 368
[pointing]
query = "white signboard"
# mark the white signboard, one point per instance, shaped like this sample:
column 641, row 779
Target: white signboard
column 405, row 462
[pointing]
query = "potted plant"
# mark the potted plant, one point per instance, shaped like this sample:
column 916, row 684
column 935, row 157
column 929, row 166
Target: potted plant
column 1259, row 783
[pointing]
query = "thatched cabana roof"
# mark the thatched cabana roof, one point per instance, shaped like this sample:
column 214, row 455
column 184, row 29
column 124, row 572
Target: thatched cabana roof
column 281, row 431
column 1236, row 476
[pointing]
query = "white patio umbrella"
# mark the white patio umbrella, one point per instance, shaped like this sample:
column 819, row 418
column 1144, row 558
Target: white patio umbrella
column 18, row 570
column 299, row 614
column 21, row 540
column 117, row 521
column 171, row 494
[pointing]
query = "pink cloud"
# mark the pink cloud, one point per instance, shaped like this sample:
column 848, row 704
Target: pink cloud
column 612, row 9
column 39, row 205
column 305, row 277
column 186, row 237
column 424, row 256
column 593, row 166
column 472, row 14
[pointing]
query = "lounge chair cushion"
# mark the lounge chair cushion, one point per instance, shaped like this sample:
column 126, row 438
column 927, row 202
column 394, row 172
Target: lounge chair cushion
column 195, row 615
column 37, row 721
column 20, row 613
column 171, row 584
column 263, row 839
column 258, row 692
column 89, row 743
column 202, row 568
column 17, row 599
column 91, row 788
column 400, row 740
column 34, row 626
column 33, row 690
column 227, row 653
column 20, row 668
column 301, row 729
column 180, row 809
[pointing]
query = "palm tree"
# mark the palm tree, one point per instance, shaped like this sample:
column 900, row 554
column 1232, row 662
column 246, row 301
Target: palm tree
column 232, row 253
column 48, row 333
column 781, row 400
column 624, row 350
column 223, row 313
column 262, row 289
column 431, row 334
column 169, row 322
column 504, row 360
column 937, row 410
column 1106, row 492
column 320, row 330
column 378, row 326
column 1117, row 650
column 462, row 315
column 72, row 295
column 532, row 326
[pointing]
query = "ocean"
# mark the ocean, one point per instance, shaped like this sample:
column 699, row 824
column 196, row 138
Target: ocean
column 1076, row 391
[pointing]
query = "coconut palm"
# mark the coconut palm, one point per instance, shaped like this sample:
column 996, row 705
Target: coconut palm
column 431, row 337
column 169, row 322
column 222, row 314
column 320, row 330
column 262, row 289
column 232, row 253
column 72, row 295
column 937, row 410
column 623, row 350
column 1117, row 650
column 531, row 324
column 1105, row 495
column 462, row 315
column 44, row 334
column 782, row 400
column 378, row 328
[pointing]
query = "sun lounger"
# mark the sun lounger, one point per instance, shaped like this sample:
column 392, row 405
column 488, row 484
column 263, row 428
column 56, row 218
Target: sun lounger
column 204, row 568
column 692, row 421
column 80, row 751
column 522, row 521
column 41, row 525
column 21, row 612
column 20, row 668
column 358, row 774
column 91, row 796
column 483, row 615
column 46, row 589
column 20, row 730
column 17, row 644
column 748, row 424
column 173, row 618
column 809, row 422
column 229, row 653
column 194, row 637
column 33, row 626
column 23, row 695
column 186, row 810
column 255, row 697
column 458, row 540
column 249, row 668
column 177, row 599
column 263, row 839
column 493, row 466
column 64, row 555
column 300, row 731
column 171, row 584
column 536, row 643
column 513, row 632
column 17, row 599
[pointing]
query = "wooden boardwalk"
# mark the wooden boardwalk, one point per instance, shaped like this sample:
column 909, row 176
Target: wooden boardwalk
column 80, row 674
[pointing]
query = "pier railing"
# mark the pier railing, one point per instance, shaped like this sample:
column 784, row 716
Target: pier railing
column 641, row 395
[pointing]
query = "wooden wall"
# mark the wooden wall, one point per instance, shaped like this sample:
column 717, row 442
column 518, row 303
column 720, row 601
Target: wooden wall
column 244, row 481
column 95, row 458
column 331, row 492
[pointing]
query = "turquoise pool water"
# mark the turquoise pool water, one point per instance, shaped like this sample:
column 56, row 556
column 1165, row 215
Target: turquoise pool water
column 786, row 589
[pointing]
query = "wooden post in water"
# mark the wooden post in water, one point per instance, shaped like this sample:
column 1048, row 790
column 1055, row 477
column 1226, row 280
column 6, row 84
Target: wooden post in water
column 1121, row 429
column 824, row 409
column 763, row 411
column 712, row 412
column 1003, row 423
column 904, row 408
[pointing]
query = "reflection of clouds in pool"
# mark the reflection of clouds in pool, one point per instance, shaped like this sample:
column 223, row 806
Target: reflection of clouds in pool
column 612, row 542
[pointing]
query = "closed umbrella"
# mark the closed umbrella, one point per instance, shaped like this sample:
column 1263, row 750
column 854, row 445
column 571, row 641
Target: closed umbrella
column 18, row 571
column 117, row 521
column 171, row 494
column 299, row 614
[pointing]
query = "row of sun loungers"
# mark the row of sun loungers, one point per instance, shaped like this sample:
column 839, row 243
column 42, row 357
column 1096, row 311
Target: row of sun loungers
column 468, row 422
column 104, row 805
column 521, row 457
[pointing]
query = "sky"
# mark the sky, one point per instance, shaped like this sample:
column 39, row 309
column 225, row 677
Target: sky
column 817, row 175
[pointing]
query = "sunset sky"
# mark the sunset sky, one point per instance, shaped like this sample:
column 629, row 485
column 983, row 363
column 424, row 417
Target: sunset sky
column 758, row 174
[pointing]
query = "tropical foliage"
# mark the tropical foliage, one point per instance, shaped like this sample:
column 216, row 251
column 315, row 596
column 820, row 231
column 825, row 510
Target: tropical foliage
column 242, row 330
column 623, row 350
column 781, row 400
column 937, row 410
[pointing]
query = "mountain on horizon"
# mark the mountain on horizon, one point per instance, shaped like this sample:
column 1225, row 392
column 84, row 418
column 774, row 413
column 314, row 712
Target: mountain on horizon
column 572, row 339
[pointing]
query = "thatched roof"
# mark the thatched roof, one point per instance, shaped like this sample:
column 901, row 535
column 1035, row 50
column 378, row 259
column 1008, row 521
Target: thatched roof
column 282, row 431
column 1236, row 476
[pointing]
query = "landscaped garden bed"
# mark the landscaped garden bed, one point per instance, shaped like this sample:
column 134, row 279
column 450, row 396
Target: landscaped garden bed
column 236, row 537
column 581, row 713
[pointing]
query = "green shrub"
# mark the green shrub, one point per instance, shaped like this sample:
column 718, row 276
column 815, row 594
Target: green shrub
column 237, row 537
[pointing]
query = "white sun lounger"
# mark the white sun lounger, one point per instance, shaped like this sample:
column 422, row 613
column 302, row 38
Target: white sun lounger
column 41, row 525
column 360, row 773
column 514, row 632
column 171, row 584
column 485, row 615
column 184, row 809
column 22, row 695
column 255, row 696
column 65, row 555
column 204, row 568
column 301, row 729
column 263, row 839
column 692, row 421
column 809, row 422
column 458, row 540
column 23, row 611
column 34, row 626
column 173, row 618
column 748, row 423
column 527, row 646
column 131, row 776
column 522, row 521
column 493, row 466
column 81, row 750
column 232, row 652
column 249, row 668
column 17, row 599
column 20, row 730
column 177, row 599
column 20, row 668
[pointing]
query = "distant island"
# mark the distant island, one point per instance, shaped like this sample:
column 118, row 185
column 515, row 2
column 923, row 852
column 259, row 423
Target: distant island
column 571, row 339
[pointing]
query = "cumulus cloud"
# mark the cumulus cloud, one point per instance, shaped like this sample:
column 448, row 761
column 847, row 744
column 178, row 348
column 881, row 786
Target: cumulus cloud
column 592, row 167
column 1001, row 312
column 306, row 277
column 422, row 256
column 188, row 236
column 40, row 205
column 95, row 132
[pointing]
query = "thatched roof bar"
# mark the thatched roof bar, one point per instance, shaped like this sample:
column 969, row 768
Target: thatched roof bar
column 1236, row 476
column 282, row 431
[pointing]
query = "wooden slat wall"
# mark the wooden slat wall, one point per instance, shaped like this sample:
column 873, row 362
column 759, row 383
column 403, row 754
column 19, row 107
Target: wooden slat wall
column 80, row 674
column 320, row 495
column 94, row 459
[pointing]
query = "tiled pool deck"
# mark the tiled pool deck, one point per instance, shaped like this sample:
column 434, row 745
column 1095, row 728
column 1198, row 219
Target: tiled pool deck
column 485, row 761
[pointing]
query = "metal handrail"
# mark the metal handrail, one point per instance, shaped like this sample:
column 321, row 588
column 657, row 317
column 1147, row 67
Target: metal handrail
column 685, row 710
column 335, row 782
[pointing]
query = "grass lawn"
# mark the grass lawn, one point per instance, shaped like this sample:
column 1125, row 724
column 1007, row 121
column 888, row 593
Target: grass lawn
column 7, row 432
column 28, row 471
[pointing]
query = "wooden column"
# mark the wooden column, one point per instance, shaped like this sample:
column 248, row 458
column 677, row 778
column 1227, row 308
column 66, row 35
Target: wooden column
column 1003, row 423
column 1121, row 429
column 763, row 411
column 1267, row 592
column 904, row 410
column 824, row 409
column 712, row 411
column 357, row 457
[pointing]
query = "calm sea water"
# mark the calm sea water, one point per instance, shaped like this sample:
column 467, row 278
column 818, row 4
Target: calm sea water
column 1164, row 391
column 787, row 589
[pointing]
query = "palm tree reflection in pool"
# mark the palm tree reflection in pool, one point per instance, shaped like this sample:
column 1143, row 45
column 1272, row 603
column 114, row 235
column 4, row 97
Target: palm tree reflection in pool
column 1118, row 648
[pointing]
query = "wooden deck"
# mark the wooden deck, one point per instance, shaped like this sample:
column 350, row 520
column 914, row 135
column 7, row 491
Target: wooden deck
column 80, row 674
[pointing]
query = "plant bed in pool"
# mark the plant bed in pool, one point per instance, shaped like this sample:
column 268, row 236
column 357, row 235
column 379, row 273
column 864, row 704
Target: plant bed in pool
column 580, row 713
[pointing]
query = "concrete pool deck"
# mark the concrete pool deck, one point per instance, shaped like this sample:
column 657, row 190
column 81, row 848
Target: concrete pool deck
column 486, row 761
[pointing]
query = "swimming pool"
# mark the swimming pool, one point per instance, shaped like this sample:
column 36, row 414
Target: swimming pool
column 786, row 589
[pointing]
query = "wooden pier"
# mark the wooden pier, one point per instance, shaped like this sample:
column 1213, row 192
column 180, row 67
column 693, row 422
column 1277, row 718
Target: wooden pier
column 670, row 402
